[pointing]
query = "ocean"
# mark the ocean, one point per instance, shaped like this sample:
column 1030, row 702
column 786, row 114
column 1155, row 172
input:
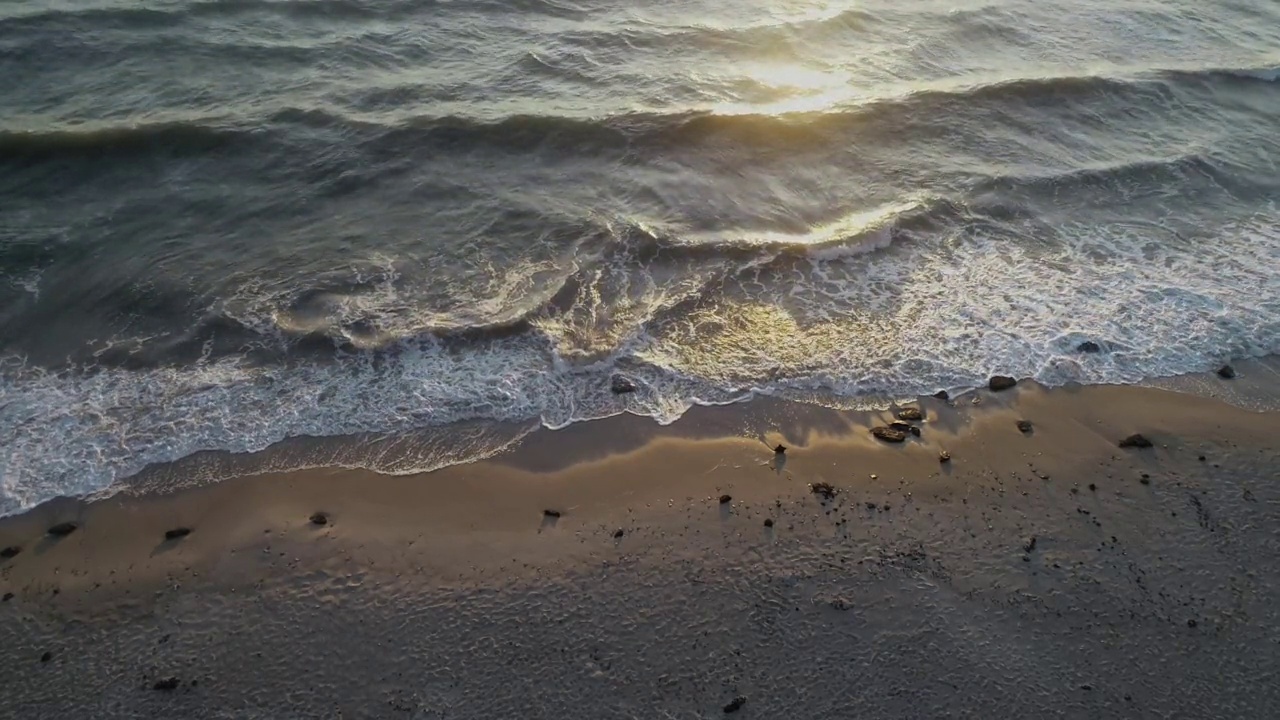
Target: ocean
column 224, row 223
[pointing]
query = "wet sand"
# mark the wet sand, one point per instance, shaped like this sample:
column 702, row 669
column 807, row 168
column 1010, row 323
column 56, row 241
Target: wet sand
column 1048, row 573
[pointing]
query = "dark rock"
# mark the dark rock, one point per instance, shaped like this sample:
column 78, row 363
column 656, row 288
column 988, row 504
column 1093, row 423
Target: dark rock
column 872, row 506
column 551, row 513
column 888, row 434
column 905, row 427
column 768, row 522
column 319, row 518
column 1093, row 487
column 726, row 499
column 46, row 657
column 1024, row 426
column 1136, row 440
column 621, row 385
column 1088, row 346
column 618, row 533
column 169, row 683
column 824, row 489
column 942, row 395
column 1226, row 372
column 1030, row 544
column 885, row 507
column 1145, row 479
column 1202, row 458
column 176, row 533
column 912, row 414
column 63, row 529
column 735, row 704
column 1191, row 623
column 7, row 597
column 10, row 552
column 1086, row 687
column 1000, row 382
column 780, row 449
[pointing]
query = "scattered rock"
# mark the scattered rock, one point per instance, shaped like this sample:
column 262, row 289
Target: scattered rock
column 1025, row 426
column 1088, row 346
column 10, row 552
column 1000, row 382
column 181, row 532
column 1202, row 458
column 1030, row 544
column 725, row 499
column 7, row 597
column 1093, row 487
column 768, row 522
column 1191, row 623
column 622, row 385
column 1136, row 440
column 824, row 489
column 872, row 506
column 888, row 434
column 63, row 529
column 910, row 413
column 618, row 533
column 885, row 507
column 46, row 657
column 944, row 456
column 735, row 704
column 942, row 395
column 1226, row 372
column 905, row 427
column 1086, row 686
column 319, row 518
column 780, row 449
column 551, row 513
column 169, row 683
column 1145, row 479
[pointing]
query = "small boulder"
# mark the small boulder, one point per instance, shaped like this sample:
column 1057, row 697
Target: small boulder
column 319, row 518
column 551, row 513
column 942, row 395
column 1025, row 426
column 621, row 385
column 1000, row 382
column 912, row 414
column 46, row 657
column 1088, row 346
column 1030, row 544
column 618, row 533
column 1226, row 372
column 63, row 529
column 169, row 683
column 735, row 705
column 7, row 597
column 176, row 533
column 888, row 434
column 826, row 490
column 944, row 456
column 906, row 427
column 780, row 449
column 1136, row 440
column 725, row 499
column 768, row 522
column 10, row 552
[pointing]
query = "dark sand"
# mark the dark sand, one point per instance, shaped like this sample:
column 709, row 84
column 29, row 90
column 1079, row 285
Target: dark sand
column 915, row 592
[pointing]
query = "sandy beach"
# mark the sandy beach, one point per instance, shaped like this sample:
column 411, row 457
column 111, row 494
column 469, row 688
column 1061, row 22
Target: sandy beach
column 1043, row 571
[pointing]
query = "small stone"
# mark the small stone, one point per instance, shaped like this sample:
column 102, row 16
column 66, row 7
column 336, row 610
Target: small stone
column 1000, row 382
column 1024, row 426
column 905, row 427
column 735, row 705
column 169, row 683
column 1030, row 544
column 1136, row 440
column 725, row 499
column 1086, row 686
column 46, row 657
column 942, row 395
column 1093, row 487
column 7, row 597
column 622, row 385
column 872, row 506
column 768, row 522
column 1226, row 372
column 1202, row 458
column 618, row 533
column 888, row 434
column 1145, row 479
column 319, row 518
column 176, row 533
column 1088, row 346
column 780, row 449
column 63, row 529
column 551, row 513
column 1191, row 623
column 944, row 456
column 910, row 413
column 10, row 552
column 885, row 507
column 824, row 489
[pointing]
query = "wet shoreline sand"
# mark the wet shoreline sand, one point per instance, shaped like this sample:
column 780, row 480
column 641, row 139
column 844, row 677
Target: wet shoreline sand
column 1040, row 573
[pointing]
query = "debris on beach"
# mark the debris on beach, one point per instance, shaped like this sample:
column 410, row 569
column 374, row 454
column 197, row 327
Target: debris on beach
column 1000, row 382
column 888, row 434
column 1136, row 440
column 826, row 490
column 63, row 529
column 179, row 532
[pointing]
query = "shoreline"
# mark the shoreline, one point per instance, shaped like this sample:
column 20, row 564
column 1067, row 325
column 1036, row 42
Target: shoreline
column 1044, row 559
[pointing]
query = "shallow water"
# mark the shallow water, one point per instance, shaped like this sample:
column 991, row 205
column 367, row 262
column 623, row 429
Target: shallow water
column 227, row 223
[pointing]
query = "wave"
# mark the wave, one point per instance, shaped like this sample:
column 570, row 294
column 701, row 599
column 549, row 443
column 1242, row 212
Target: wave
column 169, row 138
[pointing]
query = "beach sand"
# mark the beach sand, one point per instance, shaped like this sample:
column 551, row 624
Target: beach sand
column 1048, row 573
